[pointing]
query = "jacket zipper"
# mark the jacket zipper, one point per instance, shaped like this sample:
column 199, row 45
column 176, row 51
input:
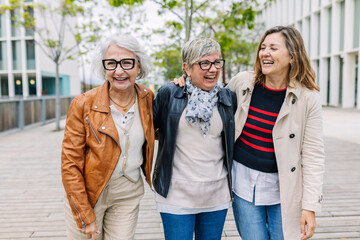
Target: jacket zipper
column 88, row 122
column 82, row 222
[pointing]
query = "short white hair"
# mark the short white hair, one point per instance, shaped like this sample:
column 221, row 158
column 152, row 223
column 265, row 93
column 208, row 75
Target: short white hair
column 125, row 41
column 197, row 48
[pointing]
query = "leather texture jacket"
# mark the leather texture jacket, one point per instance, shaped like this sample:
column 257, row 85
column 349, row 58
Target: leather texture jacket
column 91, row 149
column 169, row 104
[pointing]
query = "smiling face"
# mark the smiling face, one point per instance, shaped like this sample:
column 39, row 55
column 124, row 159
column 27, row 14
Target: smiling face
column 204, row 79
column 274, row 57
column 120, row 79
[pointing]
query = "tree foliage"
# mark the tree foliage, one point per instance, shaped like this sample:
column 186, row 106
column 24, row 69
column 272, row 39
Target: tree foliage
column 57, row 20
column 224, row 20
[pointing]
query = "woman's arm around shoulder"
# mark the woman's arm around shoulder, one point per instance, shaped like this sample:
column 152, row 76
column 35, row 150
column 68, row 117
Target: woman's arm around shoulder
column 239, row 79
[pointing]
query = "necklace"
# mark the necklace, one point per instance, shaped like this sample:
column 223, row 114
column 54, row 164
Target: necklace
column 124, row 107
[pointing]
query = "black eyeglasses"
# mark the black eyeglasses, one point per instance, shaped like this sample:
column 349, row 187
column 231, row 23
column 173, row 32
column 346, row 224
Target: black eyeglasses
column 125, row 63
column 206, row 65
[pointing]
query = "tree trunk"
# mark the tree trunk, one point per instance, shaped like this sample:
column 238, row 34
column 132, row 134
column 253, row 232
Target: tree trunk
column 57, row 101
column 224, row 71
column 187, row 21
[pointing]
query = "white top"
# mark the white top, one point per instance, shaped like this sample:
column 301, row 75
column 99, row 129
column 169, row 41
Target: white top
column 131, row 139
column 199, row 180
column 255, row 186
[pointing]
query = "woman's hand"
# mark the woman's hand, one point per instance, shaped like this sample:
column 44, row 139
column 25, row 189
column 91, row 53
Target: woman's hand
column 179, row 81
column 90, row 230
column 307, row 224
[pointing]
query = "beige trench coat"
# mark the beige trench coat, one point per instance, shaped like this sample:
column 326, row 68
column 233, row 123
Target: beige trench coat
column 299, row 148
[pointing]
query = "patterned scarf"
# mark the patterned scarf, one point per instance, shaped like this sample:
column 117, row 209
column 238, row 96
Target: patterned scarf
column 201, row 105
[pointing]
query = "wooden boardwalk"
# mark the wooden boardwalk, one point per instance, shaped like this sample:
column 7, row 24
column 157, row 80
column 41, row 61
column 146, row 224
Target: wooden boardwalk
column 31, row 192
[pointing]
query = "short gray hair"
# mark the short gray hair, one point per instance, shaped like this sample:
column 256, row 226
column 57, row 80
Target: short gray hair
column 197, row 48
column 125, row 41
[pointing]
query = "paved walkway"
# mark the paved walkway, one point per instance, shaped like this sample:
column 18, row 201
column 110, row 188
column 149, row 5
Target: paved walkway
column 31, row 191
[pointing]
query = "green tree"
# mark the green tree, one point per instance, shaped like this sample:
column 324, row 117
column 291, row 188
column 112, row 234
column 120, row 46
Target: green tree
column 223, row 20
column 49, row 33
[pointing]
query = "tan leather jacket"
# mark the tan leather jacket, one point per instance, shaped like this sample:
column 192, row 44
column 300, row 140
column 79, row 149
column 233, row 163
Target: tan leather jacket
column 91, row 149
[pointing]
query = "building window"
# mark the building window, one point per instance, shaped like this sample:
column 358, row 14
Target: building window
column 356, row 78
column 341, row 79
column 15, row 29
column 329, row 29
column 3, row 56
column 18, row 85
column 32, row 84
column 4, row 86
column 356, row 23
column 30, row 54
column 2, row 25
column 16, row 55
column 342, row 25
column 29, row 31
column 328, row 81
column 318, row 33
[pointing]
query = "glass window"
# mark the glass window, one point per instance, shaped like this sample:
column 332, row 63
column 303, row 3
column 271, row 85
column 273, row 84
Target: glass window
column 329, row 29
column 341, row 79
column 16, row 55
column 18, row 84
column 356, row 23
column 4, row 85
column 3, row 56
column 28, row 0
column 356, row 78
column 15, row 30
column 29, row 31
column 32, row 84
column 30, row 54
column 2, row 25
column 318, row 33
column 342, row 25
column 328, row 81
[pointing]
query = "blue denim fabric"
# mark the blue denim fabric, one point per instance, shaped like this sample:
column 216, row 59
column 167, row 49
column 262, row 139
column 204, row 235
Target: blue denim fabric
column 207, row 225
column 257, row 222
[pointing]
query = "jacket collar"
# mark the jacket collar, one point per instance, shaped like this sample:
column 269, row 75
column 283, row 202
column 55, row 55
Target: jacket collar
column 181, row 92
column 292, row 89
column 101, row 101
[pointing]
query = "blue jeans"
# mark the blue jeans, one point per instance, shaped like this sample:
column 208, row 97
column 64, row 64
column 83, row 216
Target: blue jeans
column 207, row 225
column 257, row 222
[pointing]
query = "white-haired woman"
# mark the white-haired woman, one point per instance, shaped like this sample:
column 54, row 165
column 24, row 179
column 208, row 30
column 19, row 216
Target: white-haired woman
column 192, row 174
column 109, row 137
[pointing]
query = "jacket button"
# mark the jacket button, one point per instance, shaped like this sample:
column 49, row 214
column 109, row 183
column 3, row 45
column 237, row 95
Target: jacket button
column 293, row 169
column 292, row 135
column 103, row 128
column 293, row 101
column 145, row 90
column 96, row 106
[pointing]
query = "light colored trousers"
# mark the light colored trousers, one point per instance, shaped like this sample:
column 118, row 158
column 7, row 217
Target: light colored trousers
column 116, row 211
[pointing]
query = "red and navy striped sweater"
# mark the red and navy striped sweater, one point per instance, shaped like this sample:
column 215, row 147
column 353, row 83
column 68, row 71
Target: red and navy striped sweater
column 254, row 148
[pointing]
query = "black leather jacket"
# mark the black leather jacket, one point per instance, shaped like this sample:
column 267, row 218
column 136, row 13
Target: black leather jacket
column 169, row 104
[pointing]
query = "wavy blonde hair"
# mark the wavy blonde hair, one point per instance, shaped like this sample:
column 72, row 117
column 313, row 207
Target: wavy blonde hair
column 300, row 70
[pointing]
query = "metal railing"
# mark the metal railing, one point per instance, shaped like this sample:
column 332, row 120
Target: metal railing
column 18, row 113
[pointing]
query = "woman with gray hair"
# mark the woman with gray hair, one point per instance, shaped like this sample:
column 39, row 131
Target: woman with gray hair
column 109, row 137
column 192, row 174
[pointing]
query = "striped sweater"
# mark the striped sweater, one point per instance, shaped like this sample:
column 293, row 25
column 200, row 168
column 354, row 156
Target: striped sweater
column 254, row 148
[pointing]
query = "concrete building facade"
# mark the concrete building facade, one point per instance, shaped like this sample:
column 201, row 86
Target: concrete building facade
column 331, row 32
column 25, row 69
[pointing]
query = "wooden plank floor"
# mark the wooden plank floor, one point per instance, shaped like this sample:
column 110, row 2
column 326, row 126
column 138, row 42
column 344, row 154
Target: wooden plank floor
column 31, row 192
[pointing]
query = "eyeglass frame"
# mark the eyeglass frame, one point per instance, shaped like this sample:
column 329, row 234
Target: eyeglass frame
column 118, row 63
column 211, row 63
